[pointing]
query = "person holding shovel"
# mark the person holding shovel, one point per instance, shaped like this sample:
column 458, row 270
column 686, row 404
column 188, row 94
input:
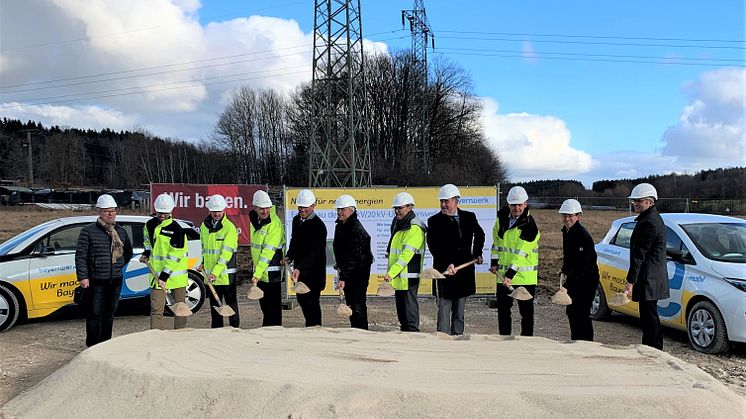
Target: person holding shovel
column 307, row 251
column 353, row 258
column 103, row 250
column 515, row 260
column 166, row 251
column 580, row 270
column 267, row 243
column 219, row 240
column 454, row 237
column 406, row 250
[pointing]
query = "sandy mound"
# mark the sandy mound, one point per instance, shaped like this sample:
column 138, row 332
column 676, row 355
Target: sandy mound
column 319, row 372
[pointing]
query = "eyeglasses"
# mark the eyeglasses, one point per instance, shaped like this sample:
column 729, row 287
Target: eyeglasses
column 637, row 200
column 399, row 208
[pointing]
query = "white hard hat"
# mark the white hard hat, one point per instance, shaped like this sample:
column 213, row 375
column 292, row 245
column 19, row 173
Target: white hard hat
column 447, row 191
column 216, row 203
column 345, row 201
column 261, row 199
column 570, row 206
column 305, row 198
column 643, row 190
column 401, row 199
column 517, row 195
column 106, row 201
column 164, row 203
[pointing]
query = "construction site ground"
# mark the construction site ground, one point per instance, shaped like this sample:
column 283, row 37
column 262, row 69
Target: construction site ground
column 32, row 350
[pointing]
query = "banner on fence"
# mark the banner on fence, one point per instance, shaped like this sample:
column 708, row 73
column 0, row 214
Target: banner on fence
column 190, row 203
column 375, row 213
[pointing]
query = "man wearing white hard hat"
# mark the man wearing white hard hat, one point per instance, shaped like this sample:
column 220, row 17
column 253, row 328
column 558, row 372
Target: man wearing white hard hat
column 353, row 258
column 165, row 246
column 307, row 252
column 104, row 249
column 406, row 251
column 515, row 260
column 219, row 239
column 454, row 236
column 267, row 244
column 580, row 270
column 647, row 277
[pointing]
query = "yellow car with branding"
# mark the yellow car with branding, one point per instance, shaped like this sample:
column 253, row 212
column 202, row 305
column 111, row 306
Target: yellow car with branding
column 706, row 276
column 37, row 268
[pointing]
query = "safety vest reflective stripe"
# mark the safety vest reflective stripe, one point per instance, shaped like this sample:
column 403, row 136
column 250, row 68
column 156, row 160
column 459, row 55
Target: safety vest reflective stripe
column 210, row 252
column 223, row 261
column 230, row 249
column 166, row 270
column 412, row 275
column 231, row 270
column 174, row 258
column 273, row 268
column 156, row 257
column 263, row 259
column 518, row 268
column 256, row 246
column 406, row 247
column 401, row 262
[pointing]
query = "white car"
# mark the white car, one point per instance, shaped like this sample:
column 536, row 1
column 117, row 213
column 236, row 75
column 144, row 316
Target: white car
column 706, row 273
column 37, row 268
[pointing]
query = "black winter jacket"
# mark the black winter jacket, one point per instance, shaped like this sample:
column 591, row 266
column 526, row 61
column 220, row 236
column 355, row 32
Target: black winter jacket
column 579, row 261
column 352, row 248
column 647, row 258
column 449, row 247
column 93, row 254
column 307, row 250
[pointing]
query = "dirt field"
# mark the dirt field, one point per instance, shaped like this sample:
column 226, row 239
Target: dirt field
column 32, row 350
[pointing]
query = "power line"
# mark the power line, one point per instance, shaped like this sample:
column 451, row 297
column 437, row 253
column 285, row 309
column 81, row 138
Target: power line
column 627, row 38
column 621, row 44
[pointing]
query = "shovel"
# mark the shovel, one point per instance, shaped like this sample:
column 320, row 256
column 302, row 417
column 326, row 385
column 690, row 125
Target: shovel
column 385, row 290
column 520, row 293
column 255, row 293
column 223, row 310
column 619, row 299
column 179, row 309
column 298, row 286
column 432, row 273
column 343, row 310
column 561, row 297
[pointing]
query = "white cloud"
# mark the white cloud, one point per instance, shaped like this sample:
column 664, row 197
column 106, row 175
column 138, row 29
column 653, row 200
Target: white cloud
column 83, row 117
column 710, row 131
column 533, row 146
column 528, row 52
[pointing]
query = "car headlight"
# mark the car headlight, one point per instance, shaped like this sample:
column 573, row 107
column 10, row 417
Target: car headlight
column 738, row 283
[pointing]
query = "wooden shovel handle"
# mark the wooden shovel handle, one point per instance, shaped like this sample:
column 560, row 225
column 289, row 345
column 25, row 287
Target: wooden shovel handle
column 463, row 265
column 155, row 275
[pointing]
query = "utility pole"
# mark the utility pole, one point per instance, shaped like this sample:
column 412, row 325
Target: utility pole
column 339, row 146
column 30, row 156
column 422, row 36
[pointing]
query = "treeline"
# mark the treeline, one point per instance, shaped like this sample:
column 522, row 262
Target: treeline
column 727, row 183
column 263, row 137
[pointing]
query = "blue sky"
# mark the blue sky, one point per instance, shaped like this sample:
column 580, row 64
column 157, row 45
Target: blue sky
column 561, row 97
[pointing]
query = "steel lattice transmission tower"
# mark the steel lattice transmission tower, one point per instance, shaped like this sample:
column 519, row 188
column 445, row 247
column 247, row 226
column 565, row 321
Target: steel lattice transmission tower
column 422, row 36
column 340, row 150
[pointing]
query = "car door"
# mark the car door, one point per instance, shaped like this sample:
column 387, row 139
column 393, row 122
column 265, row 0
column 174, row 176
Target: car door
column 135, row 279
column 52, row 270
column 613, row 263
column 670, row 310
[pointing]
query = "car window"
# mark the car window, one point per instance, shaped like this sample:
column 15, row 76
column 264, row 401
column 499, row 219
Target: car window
column 134, row 230
column 724, row 242
column 623, row 235
column 673, row 242
column 63, row 240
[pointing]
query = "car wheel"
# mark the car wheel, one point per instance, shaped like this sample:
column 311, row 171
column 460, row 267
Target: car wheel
column 599, row 309
column 195, row 293
column 9, row 308
column 706, row 329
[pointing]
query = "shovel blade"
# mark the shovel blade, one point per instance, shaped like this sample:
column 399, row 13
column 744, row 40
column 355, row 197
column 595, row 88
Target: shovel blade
column 255, row 293
column 224, row 311
column 561, row 298
column 431, row 273
column 521, row 294
column 343, row 310
column 619, row 299
column 385, row 290
column 181, row 310
column 301, row 288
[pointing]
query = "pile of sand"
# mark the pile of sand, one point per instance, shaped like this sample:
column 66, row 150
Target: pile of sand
column 321, row 372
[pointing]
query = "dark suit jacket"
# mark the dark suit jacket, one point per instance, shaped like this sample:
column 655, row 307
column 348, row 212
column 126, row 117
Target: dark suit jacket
column 308, row 251
column 448, row 247
column 647, row 258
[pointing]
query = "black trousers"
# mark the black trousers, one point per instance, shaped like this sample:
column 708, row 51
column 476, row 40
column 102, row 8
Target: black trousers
column 225, row 293
column 309, row 303
column 652, row 335
column 578, row 314
column 356, row 290
column 504, row 306
column 407, row 308
column 271, row 303
column 103, row 301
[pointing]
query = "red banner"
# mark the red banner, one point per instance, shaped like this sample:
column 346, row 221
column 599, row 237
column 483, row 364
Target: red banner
column 190, row 203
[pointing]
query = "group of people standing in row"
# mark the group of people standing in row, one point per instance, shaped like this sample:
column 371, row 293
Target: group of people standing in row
column 453, row 237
